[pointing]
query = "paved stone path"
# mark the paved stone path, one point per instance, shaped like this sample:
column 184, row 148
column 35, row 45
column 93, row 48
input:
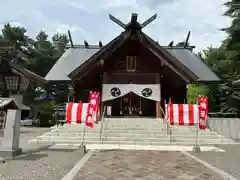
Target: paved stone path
column 143, row 165
column 228, row 161
column 41, row 163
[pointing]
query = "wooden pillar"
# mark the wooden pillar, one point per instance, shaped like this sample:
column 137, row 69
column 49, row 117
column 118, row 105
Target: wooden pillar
column 102, row 108
column 158, row 103
column 104, row 79
column 158, row 111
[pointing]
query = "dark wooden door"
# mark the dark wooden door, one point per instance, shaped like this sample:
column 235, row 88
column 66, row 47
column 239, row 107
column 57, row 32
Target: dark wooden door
column 131, row 105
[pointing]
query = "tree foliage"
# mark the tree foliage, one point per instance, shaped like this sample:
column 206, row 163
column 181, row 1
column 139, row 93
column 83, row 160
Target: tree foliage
column 225, row 62
column 37, row 55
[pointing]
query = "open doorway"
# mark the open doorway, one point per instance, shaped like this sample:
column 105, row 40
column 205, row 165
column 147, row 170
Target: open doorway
column 132, row 105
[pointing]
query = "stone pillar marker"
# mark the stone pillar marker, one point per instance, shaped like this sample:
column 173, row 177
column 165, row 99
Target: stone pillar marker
column 10, row 143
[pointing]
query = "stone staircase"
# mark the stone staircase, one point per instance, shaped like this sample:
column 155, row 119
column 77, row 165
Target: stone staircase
column 131, row 131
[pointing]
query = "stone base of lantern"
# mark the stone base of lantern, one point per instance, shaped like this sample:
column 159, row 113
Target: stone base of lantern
column 10, row 153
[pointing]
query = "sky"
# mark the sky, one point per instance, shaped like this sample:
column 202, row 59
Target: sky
column 89, row 19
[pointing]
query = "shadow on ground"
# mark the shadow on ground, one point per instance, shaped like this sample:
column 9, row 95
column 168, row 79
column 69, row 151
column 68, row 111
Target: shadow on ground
column 32, row 155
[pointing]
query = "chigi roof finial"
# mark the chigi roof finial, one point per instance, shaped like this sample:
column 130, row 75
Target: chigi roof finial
column 133, row 21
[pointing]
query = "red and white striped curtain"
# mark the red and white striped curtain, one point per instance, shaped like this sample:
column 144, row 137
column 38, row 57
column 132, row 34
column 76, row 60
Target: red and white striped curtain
column 182, row 114
column 76, row 113
column 87, row 113
column 188, row 114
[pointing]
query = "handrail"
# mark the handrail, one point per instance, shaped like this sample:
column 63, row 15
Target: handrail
column 169, row 128
column 102, row 123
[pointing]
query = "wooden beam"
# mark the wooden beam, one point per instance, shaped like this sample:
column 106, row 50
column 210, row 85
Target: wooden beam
column 149, row 20
column 117, row 21
column 70, row 38
column 150, row 44
column 134, row 18
column 104, row 54
column 94, row 57
column 170, row 66
column 187, row 39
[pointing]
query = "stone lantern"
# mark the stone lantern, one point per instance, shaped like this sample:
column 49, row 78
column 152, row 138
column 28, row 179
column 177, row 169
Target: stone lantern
column 14, row 81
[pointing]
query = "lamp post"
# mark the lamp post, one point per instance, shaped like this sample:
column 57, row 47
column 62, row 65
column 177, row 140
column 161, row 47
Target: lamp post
column 14, row 81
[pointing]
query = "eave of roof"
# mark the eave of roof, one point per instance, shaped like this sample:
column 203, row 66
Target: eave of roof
column 68, row 62
column 116, row 42
column 99, row 53
column 181, row 69
column 9, row 102
column 32, row 76
column 195, row 64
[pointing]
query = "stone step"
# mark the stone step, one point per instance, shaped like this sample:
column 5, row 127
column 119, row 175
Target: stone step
column 129, row 134
column 134, row 138
column 66, row 146
column 151, row 147
column 132, row 133
column 157, row 132
column 168, row 141
column 125, row 131
column 130, row 142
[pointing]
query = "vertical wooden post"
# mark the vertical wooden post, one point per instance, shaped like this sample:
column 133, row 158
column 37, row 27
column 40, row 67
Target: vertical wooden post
column 158, row 104
column 158, row 113
column 102, row 108
column 104, row 79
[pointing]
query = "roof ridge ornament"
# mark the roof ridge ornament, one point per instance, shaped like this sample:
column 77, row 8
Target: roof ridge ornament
column 133, row 21
column 187, row 39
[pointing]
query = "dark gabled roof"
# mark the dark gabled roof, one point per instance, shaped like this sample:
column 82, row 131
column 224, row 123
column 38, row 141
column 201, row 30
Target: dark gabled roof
column 145, row 40
column 181, row 60
column 79, row 55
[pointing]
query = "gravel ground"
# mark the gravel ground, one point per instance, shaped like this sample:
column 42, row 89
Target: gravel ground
column 228, row 161
column 28, row 133
column 41, row 163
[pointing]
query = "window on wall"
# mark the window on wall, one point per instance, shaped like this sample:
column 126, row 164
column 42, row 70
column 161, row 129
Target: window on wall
column 131, row 63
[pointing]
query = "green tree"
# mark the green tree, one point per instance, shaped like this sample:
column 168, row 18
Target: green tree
column 60, row 41
column 16, row 38
column 182, row 44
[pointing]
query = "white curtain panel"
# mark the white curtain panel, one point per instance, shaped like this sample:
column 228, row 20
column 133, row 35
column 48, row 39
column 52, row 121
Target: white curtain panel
column 113, row 91
column 148, row 91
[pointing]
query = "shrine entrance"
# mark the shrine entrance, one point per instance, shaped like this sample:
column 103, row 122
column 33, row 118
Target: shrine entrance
column 131, row 105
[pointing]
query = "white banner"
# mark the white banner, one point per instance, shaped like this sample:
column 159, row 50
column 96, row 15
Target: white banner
column 148, row 91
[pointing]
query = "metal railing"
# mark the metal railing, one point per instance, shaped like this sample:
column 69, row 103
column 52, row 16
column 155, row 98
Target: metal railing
column 168, row 126
column 59, row 115
column 102, row 125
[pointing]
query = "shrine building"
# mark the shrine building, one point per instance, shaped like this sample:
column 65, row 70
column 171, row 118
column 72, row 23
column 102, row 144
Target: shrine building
column 133, row 72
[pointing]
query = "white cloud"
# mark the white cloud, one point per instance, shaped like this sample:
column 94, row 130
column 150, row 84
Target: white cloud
column 89, row 19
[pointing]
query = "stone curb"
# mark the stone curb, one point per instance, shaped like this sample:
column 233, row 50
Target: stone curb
column 74, row 171
column 209, row 166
